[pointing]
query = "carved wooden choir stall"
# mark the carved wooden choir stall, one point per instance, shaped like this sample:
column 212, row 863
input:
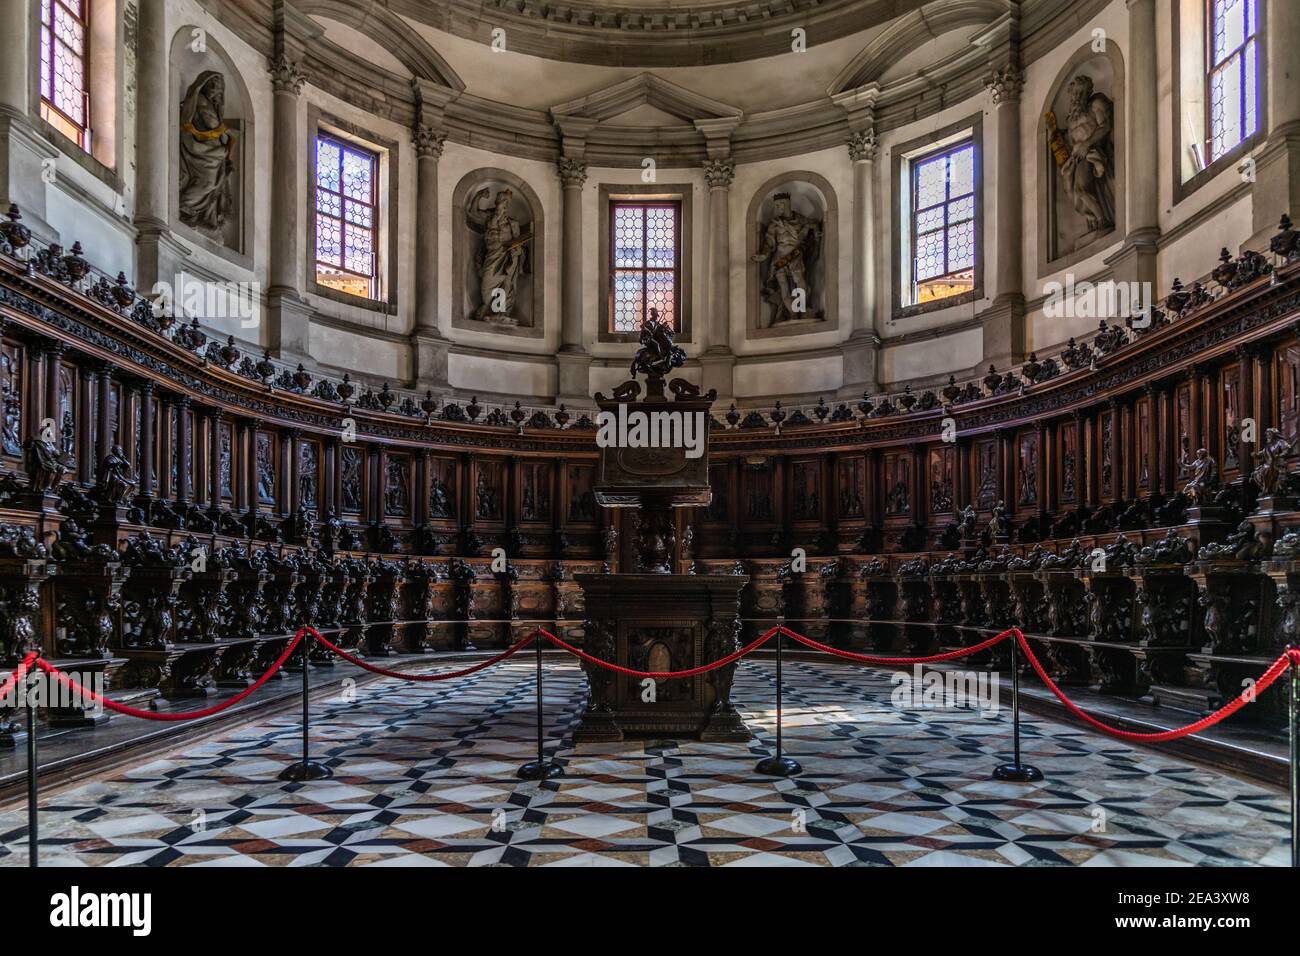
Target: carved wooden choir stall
column 171, row 508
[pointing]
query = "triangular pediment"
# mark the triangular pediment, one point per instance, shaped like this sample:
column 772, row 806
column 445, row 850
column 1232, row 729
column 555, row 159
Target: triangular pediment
column 676, row 102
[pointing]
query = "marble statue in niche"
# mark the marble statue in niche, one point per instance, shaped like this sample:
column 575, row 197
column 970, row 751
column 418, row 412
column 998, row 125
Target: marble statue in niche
column 787, row 256
column 1083, row 151
column 206, row 156
column 502, row 256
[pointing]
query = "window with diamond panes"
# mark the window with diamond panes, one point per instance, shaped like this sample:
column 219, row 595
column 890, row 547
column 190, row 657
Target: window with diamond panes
column 943, row 224
column 64, row 102
column 347, row 218
column 644, row 262
column 1234, row 63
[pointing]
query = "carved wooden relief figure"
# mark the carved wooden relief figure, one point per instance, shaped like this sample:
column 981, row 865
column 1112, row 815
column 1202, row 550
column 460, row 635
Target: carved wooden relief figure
column 308, row 474
column 397, row 486
column 807, row 490
column 850, row 482
column 265, row 468
column 582, row 499
column 535, row 492
column 943, row 465
column 487, row 492
column 898, row 484
column 1107, row 457
column 986, row 475
column 224, row 465
column 442, row 488
column 1069, row 462
column 11, row 390
column 1027, row 471
column 1232, row 401
column 350, row 473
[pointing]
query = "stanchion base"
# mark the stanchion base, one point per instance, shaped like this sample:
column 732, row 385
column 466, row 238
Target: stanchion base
column 539, row 770
column 1018, row 773
column 300, row 771
column 779, row 767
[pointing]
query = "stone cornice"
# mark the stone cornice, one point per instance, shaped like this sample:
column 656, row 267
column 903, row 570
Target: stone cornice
column 536, row 134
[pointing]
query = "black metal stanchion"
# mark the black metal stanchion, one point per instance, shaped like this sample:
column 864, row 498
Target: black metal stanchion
column 33, row 837
column 778, row 765
column 541, row 768
column 1016, row 771
column 306, row 768
column 1291, row 714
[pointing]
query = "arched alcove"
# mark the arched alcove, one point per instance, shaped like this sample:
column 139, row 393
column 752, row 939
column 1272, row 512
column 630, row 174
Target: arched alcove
column 1066, row 232
column 519, row 312
column 812, row 200
column 211, row 202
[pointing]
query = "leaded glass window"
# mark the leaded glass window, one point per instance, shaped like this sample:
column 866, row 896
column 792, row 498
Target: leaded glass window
column 65, row 104
column 644, row 262
column 347, row 217
column 943, row 223
column 1234, row 73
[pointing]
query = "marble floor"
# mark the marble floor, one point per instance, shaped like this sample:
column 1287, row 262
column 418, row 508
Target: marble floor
column 424, row 775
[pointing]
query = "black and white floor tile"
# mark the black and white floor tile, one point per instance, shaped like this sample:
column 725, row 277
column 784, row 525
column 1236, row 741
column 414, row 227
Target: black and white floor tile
column 425, row 775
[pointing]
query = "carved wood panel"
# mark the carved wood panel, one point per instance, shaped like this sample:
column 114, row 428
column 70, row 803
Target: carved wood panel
column 942, row 470
column 898, row 483
column 850, row 482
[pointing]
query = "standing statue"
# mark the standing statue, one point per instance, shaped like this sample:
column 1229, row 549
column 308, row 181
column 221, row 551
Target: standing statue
column 790, row 246
column 1271, row 471
column 206, row 199
column 1087, row 162
column 502, row 257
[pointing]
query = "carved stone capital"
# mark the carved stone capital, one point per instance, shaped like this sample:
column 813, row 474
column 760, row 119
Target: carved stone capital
column 286, row 77
column 573, row 172
column 1005, row 84
column 863, row 145
column 428, row 142
column 719, row 173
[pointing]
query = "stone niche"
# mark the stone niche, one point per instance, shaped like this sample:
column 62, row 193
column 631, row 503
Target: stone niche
column 813, row 213
column 1081, row 202
column 498, row 259
column 211, row 149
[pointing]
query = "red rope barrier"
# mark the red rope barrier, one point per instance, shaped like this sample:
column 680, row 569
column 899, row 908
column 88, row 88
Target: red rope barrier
column 868, row 659
column 660, row 675
column 1247, row 696
column 18, row 674
column 186, row 715
column 423, row 678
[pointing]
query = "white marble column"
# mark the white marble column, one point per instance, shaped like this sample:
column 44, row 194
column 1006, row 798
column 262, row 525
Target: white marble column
column 152, row 143
column 1136, row 259
column 1142, row 172
column 716, row 359
column 573, row 364
column 864, row 340
column 288, row 332
column 1277, row 174
column 1004, row 320
column 15, row 59
column 429, row 343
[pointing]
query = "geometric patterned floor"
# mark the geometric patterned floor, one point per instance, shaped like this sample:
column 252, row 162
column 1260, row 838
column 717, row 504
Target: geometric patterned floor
column 424, row 775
